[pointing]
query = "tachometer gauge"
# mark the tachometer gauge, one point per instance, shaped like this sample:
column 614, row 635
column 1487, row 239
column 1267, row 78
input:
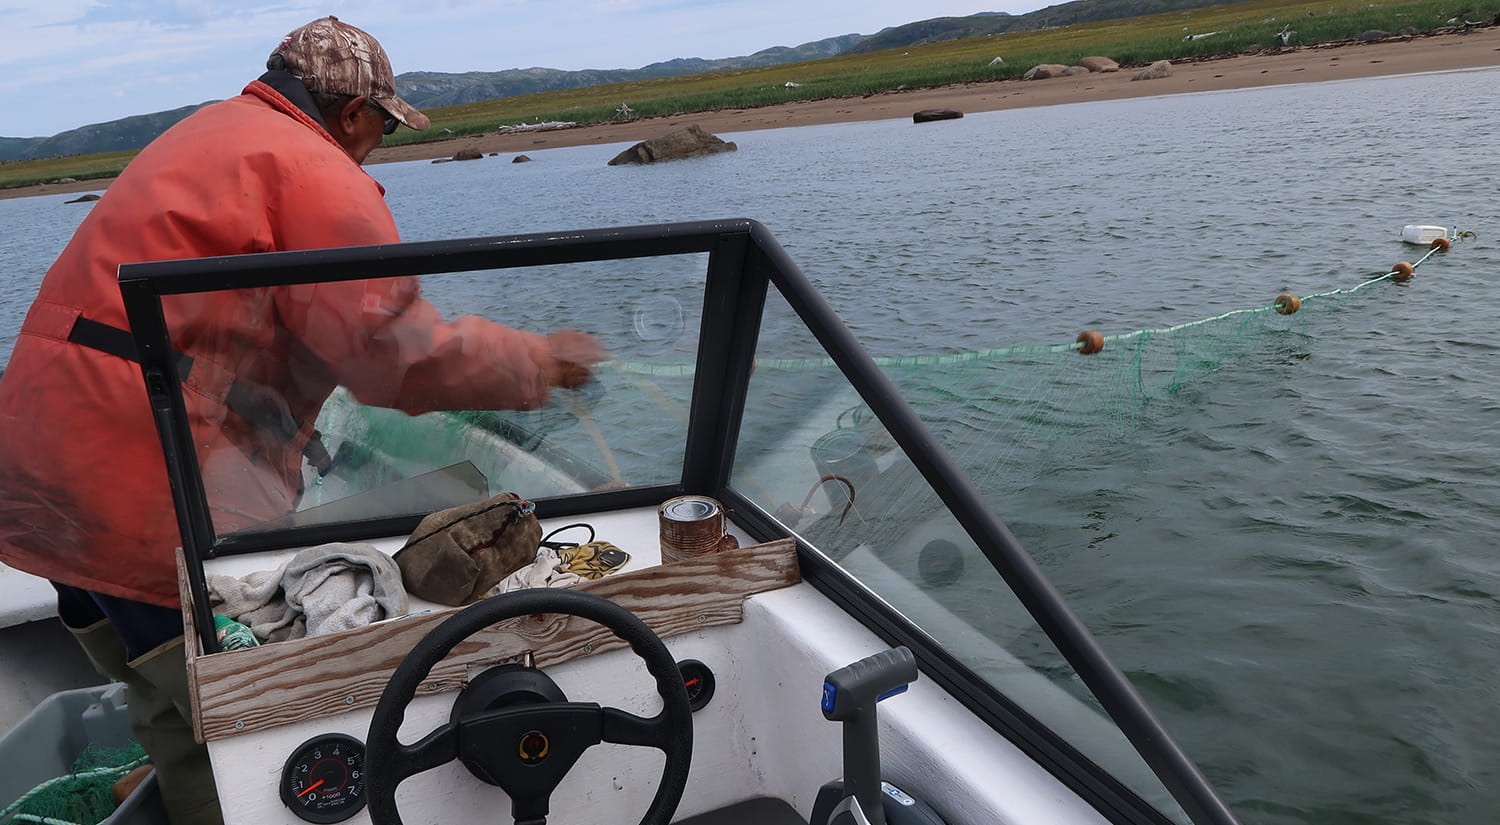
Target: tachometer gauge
column 324, row 779
column 699, row 681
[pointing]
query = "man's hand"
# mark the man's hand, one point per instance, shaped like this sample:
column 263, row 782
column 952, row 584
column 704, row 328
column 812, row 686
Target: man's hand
column 574, row 354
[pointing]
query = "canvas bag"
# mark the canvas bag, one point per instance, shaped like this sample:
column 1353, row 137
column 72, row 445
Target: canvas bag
column 456, row 555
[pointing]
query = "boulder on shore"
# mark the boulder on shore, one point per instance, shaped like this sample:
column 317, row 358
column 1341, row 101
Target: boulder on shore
column 1156, row 71
column 687, row 142
column 1099, row 64
column 928, row 115
column 1044, row 71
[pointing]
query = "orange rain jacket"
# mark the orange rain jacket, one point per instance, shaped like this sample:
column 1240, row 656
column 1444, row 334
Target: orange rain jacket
column 84, row 497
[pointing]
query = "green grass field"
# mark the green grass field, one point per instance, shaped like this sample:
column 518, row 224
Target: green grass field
column 1239, row 27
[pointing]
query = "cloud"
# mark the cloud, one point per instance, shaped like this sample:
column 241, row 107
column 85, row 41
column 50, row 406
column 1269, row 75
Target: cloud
column 171, row 14
column 80, row 62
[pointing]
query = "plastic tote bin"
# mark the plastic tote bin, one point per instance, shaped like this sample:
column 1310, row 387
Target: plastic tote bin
column 55, row 733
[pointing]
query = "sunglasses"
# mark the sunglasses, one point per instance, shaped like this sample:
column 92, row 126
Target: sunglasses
column 391, row 123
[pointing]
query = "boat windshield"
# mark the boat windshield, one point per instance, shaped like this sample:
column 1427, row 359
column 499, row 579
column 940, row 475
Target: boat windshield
column 323, row 402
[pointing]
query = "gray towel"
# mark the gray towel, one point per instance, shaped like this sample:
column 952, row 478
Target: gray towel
column 322, row 589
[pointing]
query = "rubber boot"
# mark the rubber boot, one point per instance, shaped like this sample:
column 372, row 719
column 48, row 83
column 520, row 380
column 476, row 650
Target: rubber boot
column 160, row 714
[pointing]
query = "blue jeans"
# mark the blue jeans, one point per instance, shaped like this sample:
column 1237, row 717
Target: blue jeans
column 141, row 626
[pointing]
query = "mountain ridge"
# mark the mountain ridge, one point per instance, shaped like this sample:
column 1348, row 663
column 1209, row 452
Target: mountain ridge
column 425, row 90
column 432, row 90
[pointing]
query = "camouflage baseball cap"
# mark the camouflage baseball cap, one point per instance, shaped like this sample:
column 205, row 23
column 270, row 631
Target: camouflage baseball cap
column 334, row 57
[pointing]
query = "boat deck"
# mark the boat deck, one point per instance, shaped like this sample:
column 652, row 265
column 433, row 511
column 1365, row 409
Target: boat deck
column 750, row 812
column 39, row 659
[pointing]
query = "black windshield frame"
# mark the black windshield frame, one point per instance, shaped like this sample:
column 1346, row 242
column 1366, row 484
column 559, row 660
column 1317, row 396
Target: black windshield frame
column 744, row 261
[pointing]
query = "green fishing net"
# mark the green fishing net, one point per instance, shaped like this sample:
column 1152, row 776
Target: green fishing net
column 80, row 797
column 1006, row 414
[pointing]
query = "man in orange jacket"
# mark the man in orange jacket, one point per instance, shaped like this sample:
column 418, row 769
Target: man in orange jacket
column 84, row 496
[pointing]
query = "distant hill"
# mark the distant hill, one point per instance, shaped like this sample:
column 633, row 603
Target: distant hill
column 425, row 90
column 116, row 135
column 434, row 90
column 1093, row 11
column 939, row 29
column 12, row 148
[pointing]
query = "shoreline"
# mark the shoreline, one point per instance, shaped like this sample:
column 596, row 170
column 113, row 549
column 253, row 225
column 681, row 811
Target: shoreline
column 1474, row 49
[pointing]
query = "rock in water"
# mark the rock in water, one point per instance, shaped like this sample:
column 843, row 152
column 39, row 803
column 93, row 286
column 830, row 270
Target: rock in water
column 687, row 142
column 927, row 115
column 462, row 154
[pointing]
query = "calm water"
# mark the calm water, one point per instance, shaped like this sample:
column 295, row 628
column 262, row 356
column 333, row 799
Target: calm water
column 1291, row 556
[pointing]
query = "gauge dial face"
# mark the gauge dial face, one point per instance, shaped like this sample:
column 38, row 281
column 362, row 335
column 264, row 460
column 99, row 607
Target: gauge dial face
column 699, row 681
column 324, row 779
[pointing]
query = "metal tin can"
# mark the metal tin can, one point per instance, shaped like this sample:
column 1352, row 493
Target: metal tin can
column 691, row 526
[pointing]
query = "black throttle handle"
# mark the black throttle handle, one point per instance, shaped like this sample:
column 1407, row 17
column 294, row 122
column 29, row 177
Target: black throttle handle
column 849, row 696
column 867, row 681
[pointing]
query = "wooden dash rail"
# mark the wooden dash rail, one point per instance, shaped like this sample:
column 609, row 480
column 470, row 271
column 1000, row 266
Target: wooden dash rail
column 240, row 691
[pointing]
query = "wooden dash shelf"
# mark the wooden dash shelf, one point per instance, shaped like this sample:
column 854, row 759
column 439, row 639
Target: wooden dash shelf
column 260, row 688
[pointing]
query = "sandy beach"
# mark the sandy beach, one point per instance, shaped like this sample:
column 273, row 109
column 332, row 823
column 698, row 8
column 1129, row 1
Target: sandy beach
column 1478, row 48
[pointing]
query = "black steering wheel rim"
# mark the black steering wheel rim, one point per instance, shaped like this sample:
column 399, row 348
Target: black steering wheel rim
column 381, row 743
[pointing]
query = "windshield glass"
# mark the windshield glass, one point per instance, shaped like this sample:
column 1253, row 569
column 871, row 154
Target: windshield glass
column 813, row 455
column 396, row 437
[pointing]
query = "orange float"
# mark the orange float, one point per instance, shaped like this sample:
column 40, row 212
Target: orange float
column 1286, row 303
column 1441, row 244
column 1402, row 271
column 1091, row 341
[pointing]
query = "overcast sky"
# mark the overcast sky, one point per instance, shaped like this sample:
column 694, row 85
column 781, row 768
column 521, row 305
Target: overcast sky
column 68, row 63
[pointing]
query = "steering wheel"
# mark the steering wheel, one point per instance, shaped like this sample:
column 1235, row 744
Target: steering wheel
column 527, row 749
